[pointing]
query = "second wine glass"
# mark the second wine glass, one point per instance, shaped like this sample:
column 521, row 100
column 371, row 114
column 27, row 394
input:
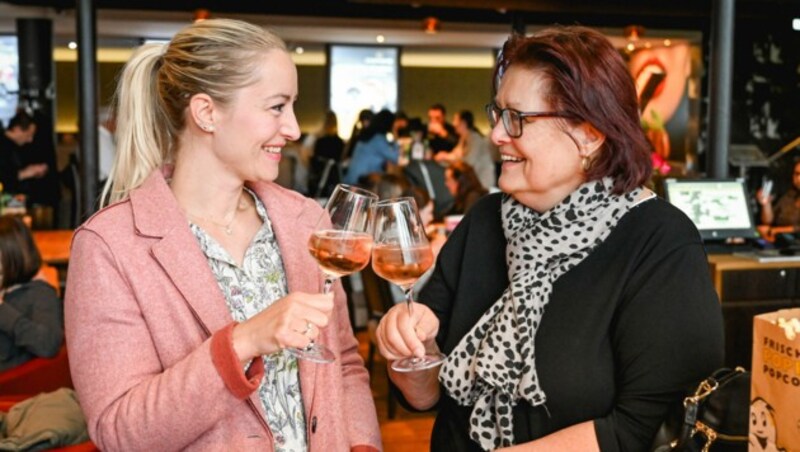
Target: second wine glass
column 341, row 245
column 401, row 254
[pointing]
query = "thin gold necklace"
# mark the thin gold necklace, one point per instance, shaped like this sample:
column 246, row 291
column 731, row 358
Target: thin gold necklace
column 243, row 204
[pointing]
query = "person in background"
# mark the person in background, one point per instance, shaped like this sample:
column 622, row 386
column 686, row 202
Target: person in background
column 472, row 148
column 400, row 126
column 442, row 135
column 327, row 155
column 43, row 194
column 464, row 185
column 575, row 307
column 374, row 151
column 105, row 144
column 14, row 174
column 187, row 287
column 785, row 212
column 364, row 119
column 31, row 313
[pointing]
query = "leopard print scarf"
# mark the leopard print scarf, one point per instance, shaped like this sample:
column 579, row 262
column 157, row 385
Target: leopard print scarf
column 493, row 366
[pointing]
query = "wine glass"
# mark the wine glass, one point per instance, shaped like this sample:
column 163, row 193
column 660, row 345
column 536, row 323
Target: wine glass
column 341, row 245
column 401, row 254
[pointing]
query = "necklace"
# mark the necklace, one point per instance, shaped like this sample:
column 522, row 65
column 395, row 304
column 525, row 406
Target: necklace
column 228, row 228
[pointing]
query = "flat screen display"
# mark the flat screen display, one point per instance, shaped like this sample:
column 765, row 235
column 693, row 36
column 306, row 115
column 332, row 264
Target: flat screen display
column 719, row 208
column 9, row 78
column 361, row 77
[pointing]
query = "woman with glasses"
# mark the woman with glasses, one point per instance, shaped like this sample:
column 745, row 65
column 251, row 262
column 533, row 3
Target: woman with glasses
column 574, row 307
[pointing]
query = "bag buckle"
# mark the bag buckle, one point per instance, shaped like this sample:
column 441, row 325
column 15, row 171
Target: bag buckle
column 708, row 432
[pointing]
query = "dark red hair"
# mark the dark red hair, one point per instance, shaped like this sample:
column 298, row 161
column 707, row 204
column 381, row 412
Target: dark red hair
column 588, row 79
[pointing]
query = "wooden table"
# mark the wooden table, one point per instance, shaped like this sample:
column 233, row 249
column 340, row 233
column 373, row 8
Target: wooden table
column 720, row 263
column 54, row 245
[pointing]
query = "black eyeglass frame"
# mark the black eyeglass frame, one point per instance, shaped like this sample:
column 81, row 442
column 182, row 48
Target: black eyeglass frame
column 504, row 115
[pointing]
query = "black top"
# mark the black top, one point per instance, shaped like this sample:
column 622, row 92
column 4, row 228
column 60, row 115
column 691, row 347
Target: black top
column 624, row 334
column 31, row 324
column 329, row 147
column 446, row 143
column 9, row 164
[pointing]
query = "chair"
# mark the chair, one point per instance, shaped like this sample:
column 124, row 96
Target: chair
column 378, row 296
column 325, row 174
column 37, row 375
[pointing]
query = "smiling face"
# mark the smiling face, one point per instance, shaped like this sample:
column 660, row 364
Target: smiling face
column 543, row 166
column 762, row 426
column 251, row 131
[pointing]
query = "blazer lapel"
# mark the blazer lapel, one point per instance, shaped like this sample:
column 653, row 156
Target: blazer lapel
column 156, row 214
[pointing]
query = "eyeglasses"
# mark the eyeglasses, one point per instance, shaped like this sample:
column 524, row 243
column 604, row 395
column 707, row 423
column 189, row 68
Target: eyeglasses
column 512, row 119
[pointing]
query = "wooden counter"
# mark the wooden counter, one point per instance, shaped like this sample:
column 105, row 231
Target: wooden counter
column 746, row 288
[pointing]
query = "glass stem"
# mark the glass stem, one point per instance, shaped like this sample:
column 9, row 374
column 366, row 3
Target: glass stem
column 326, row 288
column 409, row 293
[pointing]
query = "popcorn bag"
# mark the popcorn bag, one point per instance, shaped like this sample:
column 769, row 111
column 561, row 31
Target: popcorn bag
column 775, row 387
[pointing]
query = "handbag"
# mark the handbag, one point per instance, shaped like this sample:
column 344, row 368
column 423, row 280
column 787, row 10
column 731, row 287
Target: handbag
column 714, row 416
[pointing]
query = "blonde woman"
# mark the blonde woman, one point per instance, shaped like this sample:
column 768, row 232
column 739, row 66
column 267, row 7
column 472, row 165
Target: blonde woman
column 184, row 290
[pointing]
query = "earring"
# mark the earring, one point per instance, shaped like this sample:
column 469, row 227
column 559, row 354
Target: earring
column 207, row 127
column 586, row 163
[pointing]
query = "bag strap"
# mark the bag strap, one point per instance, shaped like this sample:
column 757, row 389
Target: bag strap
column 691, row 405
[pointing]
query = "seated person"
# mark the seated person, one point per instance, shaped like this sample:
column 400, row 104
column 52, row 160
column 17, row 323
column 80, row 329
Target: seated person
column 31, row 314
column 373, row 151
column 464, row 185
column 786, row 212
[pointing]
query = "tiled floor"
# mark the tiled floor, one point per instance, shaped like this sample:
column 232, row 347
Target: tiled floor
column 407, row 432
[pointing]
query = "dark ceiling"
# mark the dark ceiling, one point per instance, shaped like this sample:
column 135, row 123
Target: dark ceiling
column 674, row 14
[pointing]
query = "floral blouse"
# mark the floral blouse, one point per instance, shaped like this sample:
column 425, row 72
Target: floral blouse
column 249, row 290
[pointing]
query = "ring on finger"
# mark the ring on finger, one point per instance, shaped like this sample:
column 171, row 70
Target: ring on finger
column 309, row 326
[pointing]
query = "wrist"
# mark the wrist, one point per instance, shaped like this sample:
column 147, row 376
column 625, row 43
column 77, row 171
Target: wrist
column 242, row 344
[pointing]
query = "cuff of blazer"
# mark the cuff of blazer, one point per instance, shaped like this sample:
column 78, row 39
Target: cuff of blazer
column 364, row 448
column 240, row 383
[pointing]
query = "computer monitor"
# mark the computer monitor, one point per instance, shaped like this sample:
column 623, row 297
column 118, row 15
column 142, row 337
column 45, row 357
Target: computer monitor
column 719, row 208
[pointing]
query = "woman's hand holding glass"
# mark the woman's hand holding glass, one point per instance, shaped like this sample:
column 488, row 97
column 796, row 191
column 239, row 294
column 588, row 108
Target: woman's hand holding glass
column 401, row 254
column 341, row 245
column 402, row 332
column 293, row 321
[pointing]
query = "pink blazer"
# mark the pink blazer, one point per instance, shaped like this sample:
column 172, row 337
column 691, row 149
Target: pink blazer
column 149, row 335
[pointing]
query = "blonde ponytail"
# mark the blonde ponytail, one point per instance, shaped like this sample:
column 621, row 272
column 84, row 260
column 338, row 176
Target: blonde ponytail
column 141, row 144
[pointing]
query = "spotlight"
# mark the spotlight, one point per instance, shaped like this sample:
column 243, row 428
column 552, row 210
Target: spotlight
column 431, row 25
column 201, row 14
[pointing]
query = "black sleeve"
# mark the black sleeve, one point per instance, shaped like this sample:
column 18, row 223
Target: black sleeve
column 667, row 334
column 39, row 327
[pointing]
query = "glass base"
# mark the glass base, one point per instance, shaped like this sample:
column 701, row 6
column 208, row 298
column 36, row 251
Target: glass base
column 414, row 363
column 314, row 352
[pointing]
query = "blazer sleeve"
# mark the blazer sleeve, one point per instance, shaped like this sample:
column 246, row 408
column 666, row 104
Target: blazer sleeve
column 130, row 400
column 41, row 333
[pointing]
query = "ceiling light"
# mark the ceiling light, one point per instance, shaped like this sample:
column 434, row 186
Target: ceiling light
column 299, row 50
column 201, row 14
column 796, row 24
column 431, row 25
column 667, row 43
column 72, row 45
column 379, row 39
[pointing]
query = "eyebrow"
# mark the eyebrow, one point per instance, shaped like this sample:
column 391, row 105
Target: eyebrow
column 281, row 96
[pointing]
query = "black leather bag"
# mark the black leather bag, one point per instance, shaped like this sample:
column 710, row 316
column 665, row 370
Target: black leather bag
column 713, row 417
